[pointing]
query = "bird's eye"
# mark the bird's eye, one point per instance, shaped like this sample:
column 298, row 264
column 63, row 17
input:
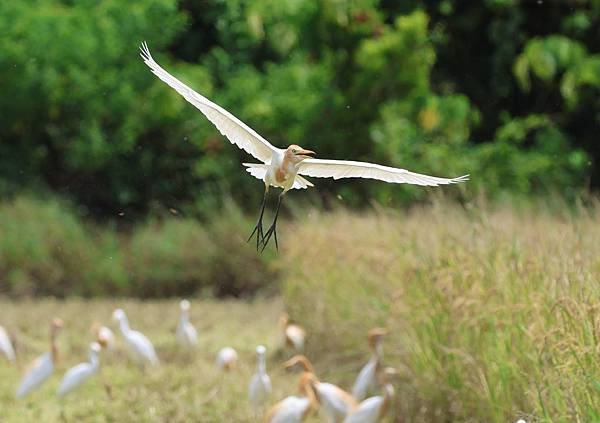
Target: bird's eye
column 294, row 151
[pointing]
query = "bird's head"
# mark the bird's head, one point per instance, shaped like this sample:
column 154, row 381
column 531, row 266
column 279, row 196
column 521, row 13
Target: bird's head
column 95, row 347
column 118, row 315
column 261, row 350
column 375, row 336
column 184, row 305
column 297, row 153
column 300, row 360
column 57, row 325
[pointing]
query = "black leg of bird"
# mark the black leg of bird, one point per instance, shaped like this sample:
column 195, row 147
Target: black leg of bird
column 258, row 229
column 273, row 228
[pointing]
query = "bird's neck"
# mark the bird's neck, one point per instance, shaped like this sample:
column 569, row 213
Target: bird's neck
column 387, row 399
column 94, row 361
column 124, row 325
column 185, row 317
column 53, row 347
column 261, row 366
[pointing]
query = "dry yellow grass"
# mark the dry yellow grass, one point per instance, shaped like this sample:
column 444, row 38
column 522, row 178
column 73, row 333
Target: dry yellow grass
column 495, row 315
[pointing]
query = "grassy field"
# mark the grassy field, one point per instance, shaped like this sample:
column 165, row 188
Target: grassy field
column 494, row 313
column 494, row 316
column 186, row 387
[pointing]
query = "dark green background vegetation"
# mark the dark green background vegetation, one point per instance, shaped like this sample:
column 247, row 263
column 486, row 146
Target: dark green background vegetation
column 505, row 90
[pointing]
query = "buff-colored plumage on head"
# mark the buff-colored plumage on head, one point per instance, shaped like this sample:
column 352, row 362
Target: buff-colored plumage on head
column 375, row 336
column 301, row 360
column 296, row 154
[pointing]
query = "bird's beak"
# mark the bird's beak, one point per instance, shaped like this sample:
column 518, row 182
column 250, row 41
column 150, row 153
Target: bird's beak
column 306, row 153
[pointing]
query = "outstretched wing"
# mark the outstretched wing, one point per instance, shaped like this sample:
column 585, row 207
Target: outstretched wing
column 236, row 131
column 338, row 169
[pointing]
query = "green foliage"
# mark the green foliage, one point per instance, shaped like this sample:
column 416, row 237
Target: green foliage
column 45, row 249
column 422, row 85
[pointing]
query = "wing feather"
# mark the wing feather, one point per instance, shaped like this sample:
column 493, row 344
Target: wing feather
column 338, row 169
column 236, row 131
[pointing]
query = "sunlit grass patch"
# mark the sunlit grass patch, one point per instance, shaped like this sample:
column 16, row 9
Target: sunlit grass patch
column 494, row 314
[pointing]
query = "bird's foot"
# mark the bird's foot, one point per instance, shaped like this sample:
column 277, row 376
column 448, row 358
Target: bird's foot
column 260, row 236
column 272, row 231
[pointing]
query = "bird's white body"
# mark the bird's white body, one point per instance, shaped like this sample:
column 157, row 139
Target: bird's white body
column 367, row 411
column 373, row 409
column 38, row 372
column 274, row 169
column 260, row 388
column 366, row 380
column 6, row 346
column 292, row 409
column 335, row 402
column 140, row 348
column 226, row 358
column 76, row 376
column 186, row 332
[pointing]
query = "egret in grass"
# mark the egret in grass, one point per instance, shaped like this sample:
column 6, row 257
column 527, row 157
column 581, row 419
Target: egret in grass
column 140, row 347
column 373, row 409
column 42, row 367
column 294, row 335
column 226, row 358
column 104, row 336
column 6, row 346
column 76, row 376
column 367, row 378
column 260, row 384
column 186, row 332
column 295, row 408
column 335, row 402
column 284, row 168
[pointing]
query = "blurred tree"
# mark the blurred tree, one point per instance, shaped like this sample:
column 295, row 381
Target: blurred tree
column 502, row 89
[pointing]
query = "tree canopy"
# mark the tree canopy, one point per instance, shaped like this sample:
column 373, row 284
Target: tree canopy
column 506, row 90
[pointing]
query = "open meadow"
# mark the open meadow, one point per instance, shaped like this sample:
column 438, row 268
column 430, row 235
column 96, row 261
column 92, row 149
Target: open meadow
column 494, row 316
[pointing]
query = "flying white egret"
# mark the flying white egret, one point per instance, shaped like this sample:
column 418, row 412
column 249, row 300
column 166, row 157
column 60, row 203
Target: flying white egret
column 335, row 402
column 367, row 378
column 6, row 346
column 76, row 376
column 282, row 168
column 295, row 409
column 140, row 347
column 226, row 358
column 42, row 367
column 186, row 332
column 294, row 335
column 260, row 384
column 104, row 336
column 373, row 409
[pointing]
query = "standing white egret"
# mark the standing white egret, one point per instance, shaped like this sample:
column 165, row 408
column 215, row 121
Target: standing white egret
column 6, row 346
column 140, row 347
column 186, row 332
column 76, row 376
column 373, row 409
column 283, row 168
column 335, row 402
column 366, row 380
column 226, row 358
column 294, row 335
column 42, row 367
column 260, row 384
column 104, row 336
column 295, row 409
